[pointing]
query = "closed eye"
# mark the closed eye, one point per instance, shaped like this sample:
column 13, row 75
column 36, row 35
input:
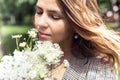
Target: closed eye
column 38, row 10
column 55, row 17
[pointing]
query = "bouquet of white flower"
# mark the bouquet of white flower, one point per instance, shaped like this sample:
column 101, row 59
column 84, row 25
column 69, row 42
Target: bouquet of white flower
column 30, row 62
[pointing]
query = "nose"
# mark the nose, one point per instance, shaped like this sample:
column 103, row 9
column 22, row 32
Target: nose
column 43, row 21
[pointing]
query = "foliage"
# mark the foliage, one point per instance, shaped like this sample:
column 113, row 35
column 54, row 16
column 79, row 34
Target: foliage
column 7, row 41
column 16, row 8
column 104, row 4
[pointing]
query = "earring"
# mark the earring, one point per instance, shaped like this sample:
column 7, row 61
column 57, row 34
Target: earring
column 76, row 36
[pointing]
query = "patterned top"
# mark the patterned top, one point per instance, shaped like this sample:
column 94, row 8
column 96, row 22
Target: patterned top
column 92, row 70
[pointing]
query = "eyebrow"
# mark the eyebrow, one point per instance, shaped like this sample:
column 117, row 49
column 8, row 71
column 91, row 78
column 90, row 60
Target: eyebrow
column 51, row 11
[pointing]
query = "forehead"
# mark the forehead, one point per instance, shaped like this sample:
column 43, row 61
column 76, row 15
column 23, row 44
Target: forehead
column 49, row 4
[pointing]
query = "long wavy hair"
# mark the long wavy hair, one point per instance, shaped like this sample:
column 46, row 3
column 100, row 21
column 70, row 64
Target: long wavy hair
column 95, row 39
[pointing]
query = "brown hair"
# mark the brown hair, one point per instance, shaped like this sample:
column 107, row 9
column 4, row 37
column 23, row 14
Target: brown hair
column 94, row 37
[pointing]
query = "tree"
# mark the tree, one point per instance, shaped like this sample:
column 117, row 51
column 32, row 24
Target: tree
column 16, row 9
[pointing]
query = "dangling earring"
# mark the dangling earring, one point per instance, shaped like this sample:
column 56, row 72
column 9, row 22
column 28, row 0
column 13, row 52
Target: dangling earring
column 76, row 36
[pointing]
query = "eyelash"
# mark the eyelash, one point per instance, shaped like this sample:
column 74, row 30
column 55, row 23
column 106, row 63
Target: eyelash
column 39, row 12
column 54, row 17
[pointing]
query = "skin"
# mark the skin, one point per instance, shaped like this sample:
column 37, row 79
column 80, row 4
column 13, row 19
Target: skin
column 53, row 26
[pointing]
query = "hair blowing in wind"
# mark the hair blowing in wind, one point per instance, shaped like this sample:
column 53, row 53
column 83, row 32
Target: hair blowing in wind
column 87, row 22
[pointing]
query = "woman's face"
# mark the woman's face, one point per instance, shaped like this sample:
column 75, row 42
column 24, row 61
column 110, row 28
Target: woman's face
column 51, row 22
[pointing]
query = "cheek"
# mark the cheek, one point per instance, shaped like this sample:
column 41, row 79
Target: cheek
column 35, row 21
column 61, row 33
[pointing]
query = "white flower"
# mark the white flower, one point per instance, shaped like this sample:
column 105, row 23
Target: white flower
column 16, row 36
column 32, row 34
column 47, row 78
column 35, row 30
column 23, row 44
column 32, row 74
column 66, row 63
column 30, row 64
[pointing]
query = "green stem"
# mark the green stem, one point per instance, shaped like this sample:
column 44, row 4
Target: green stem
column 28, row 39
column 17, row 44
column 31, row 43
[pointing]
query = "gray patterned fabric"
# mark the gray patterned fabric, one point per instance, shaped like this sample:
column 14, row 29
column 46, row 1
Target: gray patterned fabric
column 92, row 69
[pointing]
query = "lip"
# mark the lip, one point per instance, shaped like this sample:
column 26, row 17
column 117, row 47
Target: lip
column 43, row 35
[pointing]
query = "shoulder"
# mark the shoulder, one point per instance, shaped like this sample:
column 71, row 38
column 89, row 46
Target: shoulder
column 91, row 69
column 100, row 70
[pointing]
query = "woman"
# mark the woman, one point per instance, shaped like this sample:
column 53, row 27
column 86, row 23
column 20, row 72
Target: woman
column 90, row 48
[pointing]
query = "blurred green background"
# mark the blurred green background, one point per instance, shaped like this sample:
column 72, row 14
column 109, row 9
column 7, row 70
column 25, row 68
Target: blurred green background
column 16, row 17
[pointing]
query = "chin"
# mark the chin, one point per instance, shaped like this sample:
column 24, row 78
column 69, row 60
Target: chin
column 46, row 40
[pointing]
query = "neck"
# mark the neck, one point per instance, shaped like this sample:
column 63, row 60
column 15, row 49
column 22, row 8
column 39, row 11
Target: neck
column 66, row 48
